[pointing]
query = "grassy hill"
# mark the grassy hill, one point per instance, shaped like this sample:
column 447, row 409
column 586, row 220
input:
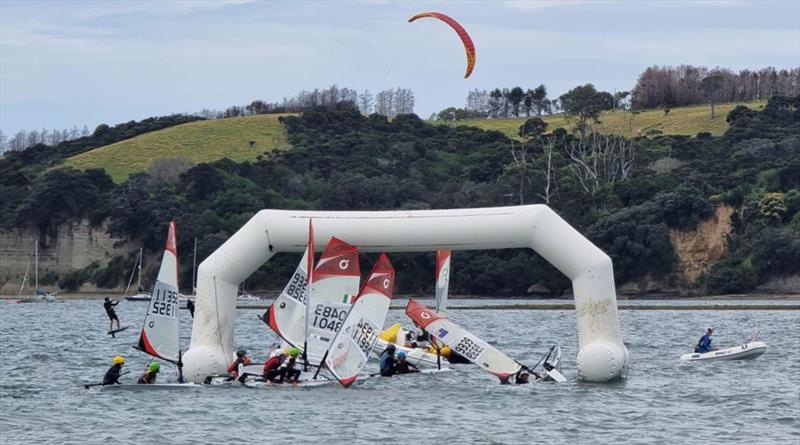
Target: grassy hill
column 683, row 121
column 201, row 141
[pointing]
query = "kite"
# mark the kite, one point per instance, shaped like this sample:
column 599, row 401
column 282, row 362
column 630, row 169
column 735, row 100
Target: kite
column 469, row 47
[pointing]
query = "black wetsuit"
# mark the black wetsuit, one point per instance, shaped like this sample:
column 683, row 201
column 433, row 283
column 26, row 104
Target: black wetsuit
column 288, row 372
column 112, row 375
column 109, row 306
column 404, row 368
column 149, row 377
column 190, row 306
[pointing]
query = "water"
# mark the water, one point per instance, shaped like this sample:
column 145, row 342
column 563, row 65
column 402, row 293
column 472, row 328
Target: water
column 49, row 350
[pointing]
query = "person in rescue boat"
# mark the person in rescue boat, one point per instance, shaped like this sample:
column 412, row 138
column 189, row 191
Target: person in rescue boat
column 401, row 366
column 112, row 375
column 288, row 373
column 149, row 376
column 112, row 315
column 272, row 365
column 233, row 369
column 704, row 345
column 387, row 361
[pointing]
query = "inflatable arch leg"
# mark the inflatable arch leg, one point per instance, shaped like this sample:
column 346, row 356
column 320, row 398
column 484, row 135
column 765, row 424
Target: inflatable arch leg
column 602, row 356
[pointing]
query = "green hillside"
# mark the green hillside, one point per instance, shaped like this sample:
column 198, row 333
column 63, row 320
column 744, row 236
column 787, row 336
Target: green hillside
column 201, row 141
column 679, row 121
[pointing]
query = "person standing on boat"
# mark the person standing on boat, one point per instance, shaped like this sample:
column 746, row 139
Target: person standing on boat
column 387, row 361
column 190, row 306
column 112, row 315
column 112, row 375
column 241, row 359
column 149, row 376
column 402, row 366
column 704, row 345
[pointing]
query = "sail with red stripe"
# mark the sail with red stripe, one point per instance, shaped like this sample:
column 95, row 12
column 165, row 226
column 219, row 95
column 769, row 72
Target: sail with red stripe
column 352, row 344
column 477, row 351
column 334, row 285
column 160, row 334
column 442, row 279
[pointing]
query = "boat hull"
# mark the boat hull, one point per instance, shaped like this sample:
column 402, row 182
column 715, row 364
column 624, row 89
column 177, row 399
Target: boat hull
column 746, row 351
column 152, row 387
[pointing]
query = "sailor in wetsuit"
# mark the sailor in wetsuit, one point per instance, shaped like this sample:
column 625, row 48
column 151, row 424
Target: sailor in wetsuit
column 288, row 373
column 112, row 316
column 387, row 361
column 402, row 366
column 149, row 376
column 704, row 345
column 112, row 375
column 272, row 365
column 190, row 306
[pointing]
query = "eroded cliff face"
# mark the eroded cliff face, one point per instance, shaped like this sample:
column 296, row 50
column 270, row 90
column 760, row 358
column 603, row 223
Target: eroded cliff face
column 698, row 249
column 70, row 247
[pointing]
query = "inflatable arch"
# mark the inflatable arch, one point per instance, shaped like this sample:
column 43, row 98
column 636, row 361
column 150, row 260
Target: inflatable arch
column 602, row 356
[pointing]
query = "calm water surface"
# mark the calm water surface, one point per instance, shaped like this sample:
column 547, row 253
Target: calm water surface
column 49, row 350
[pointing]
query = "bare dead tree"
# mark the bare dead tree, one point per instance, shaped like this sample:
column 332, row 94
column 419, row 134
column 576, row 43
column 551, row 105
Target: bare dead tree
column 522, row 164
column 596, row 160
column 546, row 170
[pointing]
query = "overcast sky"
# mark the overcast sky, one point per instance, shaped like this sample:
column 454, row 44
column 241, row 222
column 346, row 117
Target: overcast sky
column 65, row 63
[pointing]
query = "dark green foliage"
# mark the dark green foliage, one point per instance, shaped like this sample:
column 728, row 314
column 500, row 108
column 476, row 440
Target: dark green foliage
column 73, row 280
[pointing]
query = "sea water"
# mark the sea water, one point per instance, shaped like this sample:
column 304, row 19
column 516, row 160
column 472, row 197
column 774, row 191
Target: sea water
column 48, row 351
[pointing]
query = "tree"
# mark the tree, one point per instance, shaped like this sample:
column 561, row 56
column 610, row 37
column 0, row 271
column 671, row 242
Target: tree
column 532, row 128
column 711, row 86
column 539, row 99
column 515, row 97
column 585, row 102
column 365, row 102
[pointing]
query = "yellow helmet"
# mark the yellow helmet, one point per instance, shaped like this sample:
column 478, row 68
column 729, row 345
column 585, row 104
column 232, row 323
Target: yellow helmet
column 118, row 360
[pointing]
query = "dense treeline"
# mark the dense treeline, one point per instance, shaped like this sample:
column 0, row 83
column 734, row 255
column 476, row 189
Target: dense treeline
column 23, row 139
column 624, row 194
column 690, row 85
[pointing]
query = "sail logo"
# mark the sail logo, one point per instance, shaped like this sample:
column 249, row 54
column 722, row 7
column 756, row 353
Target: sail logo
column 343, row 264
column 442, row 332
column 386, row 283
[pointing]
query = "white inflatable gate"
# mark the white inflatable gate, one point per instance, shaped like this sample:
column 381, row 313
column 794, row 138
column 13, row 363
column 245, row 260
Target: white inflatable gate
column 602, row 355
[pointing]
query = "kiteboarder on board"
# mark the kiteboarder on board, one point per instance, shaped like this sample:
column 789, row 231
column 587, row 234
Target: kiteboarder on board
column 387, row 361
column 190, row 306
column 401, row 366
column 704, row 345
column 241, row 359
column 149, row 376
column 112, row 315
column 112, row 375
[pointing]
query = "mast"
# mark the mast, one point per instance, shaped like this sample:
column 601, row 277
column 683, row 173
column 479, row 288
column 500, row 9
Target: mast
column 36, row 261
column 309, row 277
column 139, row 286
column 194, row 267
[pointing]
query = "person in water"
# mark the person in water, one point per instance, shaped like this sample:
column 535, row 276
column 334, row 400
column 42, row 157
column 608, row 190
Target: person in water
column 241, row 359
column 387, row 361
column 402, row 366
column 112, row 315
column 149, row 376
column 273, row 364
column 704, row 345
column 112, row 375
column 288, row 372
column 522, row 378
column 190, row 306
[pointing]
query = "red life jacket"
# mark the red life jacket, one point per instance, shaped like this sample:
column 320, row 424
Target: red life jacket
column 234, row 367
column 273, row 363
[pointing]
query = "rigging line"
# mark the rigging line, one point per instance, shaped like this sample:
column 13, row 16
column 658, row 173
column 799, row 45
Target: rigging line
column 219, row 325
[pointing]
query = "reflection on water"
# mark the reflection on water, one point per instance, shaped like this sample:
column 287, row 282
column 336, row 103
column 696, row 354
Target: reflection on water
column 49, row 351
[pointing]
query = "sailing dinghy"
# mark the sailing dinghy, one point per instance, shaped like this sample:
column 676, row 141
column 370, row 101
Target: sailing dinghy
column 161, row 329
column 353, row 341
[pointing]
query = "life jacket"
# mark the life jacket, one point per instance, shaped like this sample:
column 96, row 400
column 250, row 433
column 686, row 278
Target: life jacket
column 234, row 367
column 273, row 363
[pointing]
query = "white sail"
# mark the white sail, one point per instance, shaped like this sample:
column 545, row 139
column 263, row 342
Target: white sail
column 334, row 284
column 442, row 279
column 286, row 316
column 160, row 333
column 352, row 344
column 459, row 340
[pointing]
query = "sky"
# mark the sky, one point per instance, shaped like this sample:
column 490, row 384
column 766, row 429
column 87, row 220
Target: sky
column 65, row 63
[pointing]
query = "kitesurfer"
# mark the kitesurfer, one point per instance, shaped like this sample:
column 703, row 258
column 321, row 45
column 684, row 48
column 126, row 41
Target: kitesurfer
column 272, row 365
column 387, row 361
column 241, row 359
column 149, row 376
column 112, row 375
column 190, row 306
column 288, row 373
column 402, row 366
column 112, row 315
column 704, row 345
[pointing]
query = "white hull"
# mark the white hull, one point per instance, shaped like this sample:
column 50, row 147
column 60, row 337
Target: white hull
column 748, row 350
column 153, row 387
column 415, row 356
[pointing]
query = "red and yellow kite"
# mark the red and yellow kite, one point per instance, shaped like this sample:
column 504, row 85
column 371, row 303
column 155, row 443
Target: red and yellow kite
column 469, row 47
